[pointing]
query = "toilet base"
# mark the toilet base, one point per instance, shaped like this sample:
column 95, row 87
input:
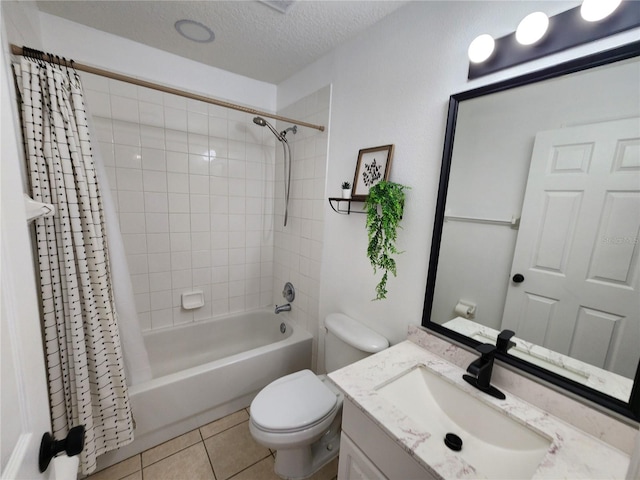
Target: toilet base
column 302, row 462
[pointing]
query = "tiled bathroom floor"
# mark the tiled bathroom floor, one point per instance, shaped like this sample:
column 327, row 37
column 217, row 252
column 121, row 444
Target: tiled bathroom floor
column 220, row 450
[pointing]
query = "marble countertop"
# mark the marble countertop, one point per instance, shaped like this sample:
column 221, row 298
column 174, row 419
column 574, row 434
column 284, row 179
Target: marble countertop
column 608, row 382
column 572, row 454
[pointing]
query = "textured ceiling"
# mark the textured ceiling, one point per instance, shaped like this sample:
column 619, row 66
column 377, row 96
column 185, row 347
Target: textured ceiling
column 251, row 38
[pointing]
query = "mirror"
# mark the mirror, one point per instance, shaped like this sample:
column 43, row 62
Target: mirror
column 538, row 222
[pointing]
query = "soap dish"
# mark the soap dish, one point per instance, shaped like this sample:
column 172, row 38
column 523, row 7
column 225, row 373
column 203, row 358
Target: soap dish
column 191, row 300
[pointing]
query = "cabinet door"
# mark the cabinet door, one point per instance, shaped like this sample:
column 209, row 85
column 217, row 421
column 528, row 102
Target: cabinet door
column 354, row 464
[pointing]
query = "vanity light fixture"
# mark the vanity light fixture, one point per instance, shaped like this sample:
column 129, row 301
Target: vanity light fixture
column 532, row 28
column 538, row 35
column 596, row 10
column 481, row 48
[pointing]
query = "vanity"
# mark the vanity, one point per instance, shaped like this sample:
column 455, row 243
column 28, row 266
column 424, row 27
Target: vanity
column 408, row 414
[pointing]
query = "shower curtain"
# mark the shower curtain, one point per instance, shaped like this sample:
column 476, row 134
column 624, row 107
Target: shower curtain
column 85, row 369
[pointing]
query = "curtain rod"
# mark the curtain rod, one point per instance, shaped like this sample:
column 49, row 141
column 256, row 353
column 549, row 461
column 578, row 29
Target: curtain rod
column 16, row 50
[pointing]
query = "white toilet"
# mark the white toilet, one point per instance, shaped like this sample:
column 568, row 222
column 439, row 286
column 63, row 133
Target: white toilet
column 299, row 415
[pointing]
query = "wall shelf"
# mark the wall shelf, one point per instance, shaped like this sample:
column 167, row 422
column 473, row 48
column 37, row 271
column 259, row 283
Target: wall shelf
column 336, row 202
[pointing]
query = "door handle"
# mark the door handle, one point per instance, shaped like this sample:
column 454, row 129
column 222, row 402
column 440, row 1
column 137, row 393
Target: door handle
column 50, row 447
column 518, row 278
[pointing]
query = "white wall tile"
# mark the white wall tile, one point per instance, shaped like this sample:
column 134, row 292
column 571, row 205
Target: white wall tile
column 194, row 210
column 158, row 243
column 201, row 241
column 181, row 279
column 154, row 159
column 124, row 109
column 159, row 262
column 98, row 102
column 159, row 281
column 154, row 181
column 156, row 202
column 161, row 318
column 140, row 282
column 129, row 179
column 179, row 203
column 157, row 222
column 199, row 204
column 217, row 127
column 198, row 122
column 127, row 156
column 176, row 141
column 177, row 161
column 123, row 89
column 152, row 137
column 175, row 119
column 161, row 300
column 130, row 202
column 132, row 222
column 198, row 164
column 137, row 264
column 198, row 185
column 151, row 114
column 180, row 241
column 178, row 182
column 181, row 260
column 149, row 95
column 179, row 222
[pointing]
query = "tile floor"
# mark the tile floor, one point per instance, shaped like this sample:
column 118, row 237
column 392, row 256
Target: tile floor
column 220, row 450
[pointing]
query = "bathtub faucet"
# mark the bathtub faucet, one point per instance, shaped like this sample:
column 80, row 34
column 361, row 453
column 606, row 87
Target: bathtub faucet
column 283, row 308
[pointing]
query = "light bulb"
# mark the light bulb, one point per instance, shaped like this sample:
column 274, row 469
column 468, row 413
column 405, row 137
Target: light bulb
column 481, row 48
column 596, row 10
column 532, row 28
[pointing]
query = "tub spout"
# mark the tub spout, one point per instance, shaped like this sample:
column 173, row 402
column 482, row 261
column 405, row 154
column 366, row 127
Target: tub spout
column 283, row 308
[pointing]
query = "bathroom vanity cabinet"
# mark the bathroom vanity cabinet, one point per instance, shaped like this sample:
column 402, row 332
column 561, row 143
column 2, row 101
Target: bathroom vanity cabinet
column 368, row 453
column 400, row 402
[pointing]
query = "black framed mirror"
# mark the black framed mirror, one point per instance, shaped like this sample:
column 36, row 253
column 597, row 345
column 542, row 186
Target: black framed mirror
column 526, row 203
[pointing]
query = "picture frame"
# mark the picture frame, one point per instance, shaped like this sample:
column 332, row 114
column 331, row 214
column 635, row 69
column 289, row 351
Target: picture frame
column 373, row 166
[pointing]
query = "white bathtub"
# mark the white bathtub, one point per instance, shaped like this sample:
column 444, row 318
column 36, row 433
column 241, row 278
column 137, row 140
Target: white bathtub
column 206, row 370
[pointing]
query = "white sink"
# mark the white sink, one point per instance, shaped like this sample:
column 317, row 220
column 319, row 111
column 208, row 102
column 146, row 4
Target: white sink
column 495, row 445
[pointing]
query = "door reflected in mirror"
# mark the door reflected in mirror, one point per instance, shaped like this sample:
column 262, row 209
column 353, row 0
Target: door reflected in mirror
column 538, row 223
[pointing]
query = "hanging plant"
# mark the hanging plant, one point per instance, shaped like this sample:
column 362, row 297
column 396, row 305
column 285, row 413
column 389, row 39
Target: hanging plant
column 384, row 207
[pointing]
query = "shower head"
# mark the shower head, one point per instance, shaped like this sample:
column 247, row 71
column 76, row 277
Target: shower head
column 259, row 121
column 262, row 122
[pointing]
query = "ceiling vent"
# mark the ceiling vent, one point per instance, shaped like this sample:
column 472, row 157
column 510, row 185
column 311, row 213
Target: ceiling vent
column 283, row 6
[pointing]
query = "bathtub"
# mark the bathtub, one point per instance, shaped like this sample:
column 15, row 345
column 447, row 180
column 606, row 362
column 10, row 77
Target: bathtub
column 205, row 370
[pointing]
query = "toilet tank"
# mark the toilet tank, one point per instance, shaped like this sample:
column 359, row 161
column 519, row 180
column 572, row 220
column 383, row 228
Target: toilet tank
column 348, row 341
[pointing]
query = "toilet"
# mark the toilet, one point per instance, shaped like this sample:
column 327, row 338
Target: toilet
column 299, row 415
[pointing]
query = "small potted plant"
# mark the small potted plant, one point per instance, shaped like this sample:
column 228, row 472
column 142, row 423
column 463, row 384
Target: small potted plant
column 346, row 190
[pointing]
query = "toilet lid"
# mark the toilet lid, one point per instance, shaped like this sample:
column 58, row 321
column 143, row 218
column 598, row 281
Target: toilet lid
column 292, row 402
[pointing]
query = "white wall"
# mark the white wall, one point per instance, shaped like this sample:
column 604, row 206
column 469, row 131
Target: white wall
column 392, row 85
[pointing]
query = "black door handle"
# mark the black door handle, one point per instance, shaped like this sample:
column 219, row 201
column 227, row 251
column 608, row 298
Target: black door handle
column 50, row 447
column 518, row 278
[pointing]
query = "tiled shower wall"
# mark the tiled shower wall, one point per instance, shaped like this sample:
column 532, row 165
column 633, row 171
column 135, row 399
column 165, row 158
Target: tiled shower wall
column 193, row 185
column 199, row 195
column 298, row 246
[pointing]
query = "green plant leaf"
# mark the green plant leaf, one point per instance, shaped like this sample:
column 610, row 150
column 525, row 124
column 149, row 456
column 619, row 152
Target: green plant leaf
column 384, row 207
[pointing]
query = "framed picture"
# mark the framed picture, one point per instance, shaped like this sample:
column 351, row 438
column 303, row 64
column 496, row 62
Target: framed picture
column 373, row 166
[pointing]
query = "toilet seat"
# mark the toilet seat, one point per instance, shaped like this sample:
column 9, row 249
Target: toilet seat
column 292, row 403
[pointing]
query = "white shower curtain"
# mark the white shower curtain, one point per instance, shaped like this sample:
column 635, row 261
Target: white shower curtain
column 85, row 369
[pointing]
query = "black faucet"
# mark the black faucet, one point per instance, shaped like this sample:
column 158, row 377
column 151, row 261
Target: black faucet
column 481, row 370
column 504, row 343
